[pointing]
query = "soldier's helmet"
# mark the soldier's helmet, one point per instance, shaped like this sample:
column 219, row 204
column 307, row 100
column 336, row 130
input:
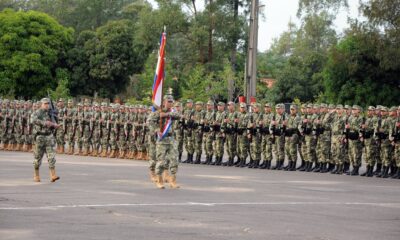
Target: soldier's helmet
column 168, row 98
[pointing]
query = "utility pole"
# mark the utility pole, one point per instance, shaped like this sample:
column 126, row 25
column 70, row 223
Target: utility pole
column 251, row 61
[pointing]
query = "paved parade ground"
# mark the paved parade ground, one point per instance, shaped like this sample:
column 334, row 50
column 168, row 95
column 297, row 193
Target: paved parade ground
column 100, row 198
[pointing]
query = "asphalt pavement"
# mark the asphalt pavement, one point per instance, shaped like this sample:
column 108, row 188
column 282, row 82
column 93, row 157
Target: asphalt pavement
column 102, row 198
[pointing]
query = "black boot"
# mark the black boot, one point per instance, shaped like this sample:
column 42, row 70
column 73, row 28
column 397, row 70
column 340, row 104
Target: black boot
column 280, row 165
column 263, row 165
column 317, row 167
column 197, row 161
column 346, row 167
column 218, row 162
column 250, row 164
column 293, row 166
column 366, row 171
column 370, row 172
column 305, row 167
column 211, row 162
column 340, row 170
column 207, row 161
column 393, row 170
column 384, row 172
column 256, row 164
column 397, row 175
column 378, row 169
column 324, row 169
column 269, row 164
column 287, row 167
column 237, row 161
column 355, row 171
column 180, row 157
column 242, row 162
column 309, row 167
column 301, row 165
column 230, row 162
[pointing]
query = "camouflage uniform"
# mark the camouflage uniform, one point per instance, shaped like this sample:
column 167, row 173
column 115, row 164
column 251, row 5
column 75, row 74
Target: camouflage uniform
column 61, row 131
column 198, row 131
column 370, row 143
column 338, row 138
column 188, row 135
column 78, row 118
column 254, row 131
column 386, row 146
column 267, row 137
column 96, row 130
column 324, row 141
column 70, row 126
column 113, row 126
column 86, row 128
column 218, row 129
column 292, row 138
column 230, row 134
column 355, row 145
column 104, row 128
column 278, row 130
column 208, row 134
column 242, row 138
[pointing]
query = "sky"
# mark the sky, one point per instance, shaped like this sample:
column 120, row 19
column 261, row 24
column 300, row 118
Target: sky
column 278, row 13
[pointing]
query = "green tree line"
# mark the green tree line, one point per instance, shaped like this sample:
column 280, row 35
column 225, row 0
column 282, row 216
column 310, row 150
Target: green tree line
column 108, row 48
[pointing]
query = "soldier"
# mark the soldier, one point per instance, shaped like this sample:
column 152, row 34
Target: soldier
column 123, row 132
column 332, row 114
column 61, row 131
column 338, row 140
column 386, row 146
column 219, row 130
column 44, row 140
column 153, row 122
column 355, row 146
column 131, row 130
column 27, row 126
column 95, row 130
column 278, row 127
column 378, row 115
column 208, row 134
column 346, row 164
column 396, row 143
column 229, row 129
column 392, row 136
column 113, row 139
column 140, row 131
column 242, row 138
column 293, row 124
column 78, row 128
column 69, row 119
column 165, row 146
column 324, row 133
column 198, row 118
column 188, row 122
column 105, row 128
column 267, row 136
column 18, row 126
column 366, row 137
column 254, row 135
column 179, row 130
column 86, row 128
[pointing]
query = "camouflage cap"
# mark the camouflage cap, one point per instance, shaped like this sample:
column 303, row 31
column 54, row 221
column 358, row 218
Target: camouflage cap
column 70, row 101
column 210, row 102
column 384, row 109
column 177, row 104
column 243, row 105
column 316, row 106
column 189, row 101
column 168, row 98
column 257, row 105
column 310, row 105
column 356, row 107
column 371, row 108
column 346, row 107
column 61, row 100
column 95, row 104
column 221, row 104
column 6, row 100
column 339, row 106
column 45, row 100
column 303, row 105
column 293, row 106
column 331, row 106
column 104, row 104
column 267, row 105
column 79, row 104
column 29, row 101
column 280, row 105
column 324, row 105
column 393, row 109
column 231, row 103
column 199, row 103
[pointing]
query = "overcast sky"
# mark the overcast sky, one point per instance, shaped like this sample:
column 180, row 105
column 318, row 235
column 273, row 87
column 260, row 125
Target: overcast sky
column 277, row 14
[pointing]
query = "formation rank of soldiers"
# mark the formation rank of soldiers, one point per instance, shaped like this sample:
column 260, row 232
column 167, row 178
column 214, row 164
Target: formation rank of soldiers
column 324, row 138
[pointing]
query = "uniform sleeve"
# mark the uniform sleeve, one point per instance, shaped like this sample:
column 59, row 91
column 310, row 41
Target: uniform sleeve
column 35, row 119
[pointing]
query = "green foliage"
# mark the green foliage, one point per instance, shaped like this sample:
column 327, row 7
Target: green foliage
column 32, row 47
column 62, row 90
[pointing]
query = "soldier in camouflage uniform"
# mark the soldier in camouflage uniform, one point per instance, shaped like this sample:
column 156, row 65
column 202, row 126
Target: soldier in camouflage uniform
column 61, row 131
column 86, row 128
column 338, row 140
column 165, row 147
column 27, row 126
column 355, row 145
column 324, row 133
column 218, row 128
column 208, row 134
column 188, row 122
column 346, row 164
column 267, row 136
column 230, row 127
column 378, row 115
column 69, row 119
column 18, row 126
column 113, row 126
column 386, row 146
column 153, row 123
column 131, row 129
column 293, row 124
column 198, row 118
column 140, row 130
column 78, row 126
column 44, row 140
column 254, row 135
column 277, row 127
column 105, row 128
column 123, row 132
column 96, row 130
column 366, row 137
column 242, row 138
column 179, row 130
column 10, row 126
column 396, row 142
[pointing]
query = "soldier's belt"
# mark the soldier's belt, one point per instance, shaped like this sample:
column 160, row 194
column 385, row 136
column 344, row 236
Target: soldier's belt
column 43, row 134
column 353, row 135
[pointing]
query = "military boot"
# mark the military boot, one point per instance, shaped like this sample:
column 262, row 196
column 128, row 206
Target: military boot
column 263, row 165
column 340, row 170
column 53, row 176
column 153, row 176
column 269, row 164
column 197, row 161
column 393, row 170
column 355, row 171
column 159, row 182
column 334, row 171
column 276, row 165
column 239, row 162
column 304, row 168
column 218, row 162
column 31, row 147
column 242, row 162
column 370, row 172
column 397, row 174
column 36, row 177
column 172, row 182
column 384, row 172
column 317, row 167
column 346, row 167
column 366, row 171
column 25, row 148
column 211, row 160
column 302, row 164
column 309, row 167
column 378, row 169
column 324, row 169
column 230, row 162
column 187, row 158
column 293, row 166
column 166, row 176
column 180, row 157
column 288, row 166
column 208, row 160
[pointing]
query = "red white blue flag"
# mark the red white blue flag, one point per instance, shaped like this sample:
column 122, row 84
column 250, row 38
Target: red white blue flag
column 166, row 128
column 160, row 73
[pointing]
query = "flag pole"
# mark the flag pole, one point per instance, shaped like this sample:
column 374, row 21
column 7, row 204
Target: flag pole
column 162, row 98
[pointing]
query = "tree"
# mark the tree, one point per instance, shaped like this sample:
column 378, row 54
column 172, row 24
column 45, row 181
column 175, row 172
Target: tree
column 33, row 47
